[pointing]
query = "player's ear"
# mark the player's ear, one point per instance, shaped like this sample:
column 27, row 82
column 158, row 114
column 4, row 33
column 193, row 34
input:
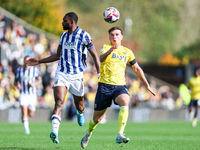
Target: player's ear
column 72, row 21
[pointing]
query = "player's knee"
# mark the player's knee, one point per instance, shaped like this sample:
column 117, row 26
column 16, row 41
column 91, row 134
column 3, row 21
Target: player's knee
column 96, row 120
column 31, row 114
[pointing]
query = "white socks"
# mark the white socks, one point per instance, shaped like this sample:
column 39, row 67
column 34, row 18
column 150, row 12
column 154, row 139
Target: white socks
column 26, row 124
column 55, row 123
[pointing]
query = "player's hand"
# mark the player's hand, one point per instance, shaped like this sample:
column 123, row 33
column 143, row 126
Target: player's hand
column 112, row 49
column 32, row 62
column 32, row 84
column 150, row 90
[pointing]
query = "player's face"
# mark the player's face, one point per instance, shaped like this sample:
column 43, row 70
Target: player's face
column 66, row 23
column 115, row 37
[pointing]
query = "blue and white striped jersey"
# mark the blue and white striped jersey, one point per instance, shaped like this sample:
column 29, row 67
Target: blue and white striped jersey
column 25, row 77
column 74, row 51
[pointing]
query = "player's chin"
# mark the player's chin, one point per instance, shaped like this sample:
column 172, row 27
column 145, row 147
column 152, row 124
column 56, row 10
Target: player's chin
column 64, row 28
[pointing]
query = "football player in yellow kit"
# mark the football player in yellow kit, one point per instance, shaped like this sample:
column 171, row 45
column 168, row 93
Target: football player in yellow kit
column 112, row 84
column 194, row 85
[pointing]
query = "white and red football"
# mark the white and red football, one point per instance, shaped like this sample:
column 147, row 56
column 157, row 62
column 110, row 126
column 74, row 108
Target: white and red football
column 111, row 15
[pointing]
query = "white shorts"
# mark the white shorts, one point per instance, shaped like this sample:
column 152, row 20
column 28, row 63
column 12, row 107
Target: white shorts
column 74, row 83
column 29, row 100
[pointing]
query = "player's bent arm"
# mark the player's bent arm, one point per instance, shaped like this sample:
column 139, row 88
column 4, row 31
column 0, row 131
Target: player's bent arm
column 95, row 57
column 139, row 72
column 105, row 55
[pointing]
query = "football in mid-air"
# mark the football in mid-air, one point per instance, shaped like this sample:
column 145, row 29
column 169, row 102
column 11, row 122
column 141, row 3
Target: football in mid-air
column 111, row 15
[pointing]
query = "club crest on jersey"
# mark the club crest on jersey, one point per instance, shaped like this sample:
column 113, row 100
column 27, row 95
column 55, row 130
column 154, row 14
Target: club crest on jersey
column 77, row 37
column 124, row 52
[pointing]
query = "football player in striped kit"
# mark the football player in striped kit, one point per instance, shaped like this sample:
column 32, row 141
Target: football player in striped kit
column 26, row 80
column 72, row 54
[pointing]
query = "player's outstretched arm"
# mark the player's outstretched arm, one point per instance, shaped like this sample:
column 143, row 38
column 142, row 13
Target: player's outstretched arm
column 52, row 58
column 139, row 72
column 95, row 57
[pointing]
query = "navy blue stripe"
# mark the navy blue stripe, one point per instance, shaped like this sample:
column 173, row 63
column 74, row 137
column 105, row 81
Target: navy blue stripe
column 23, row 83
column 79, row 52
column 87, row 38
column 61, row 59
column 84, row 60
column 34, row 71
column 55, row 118
column 66, row 55
column 73, row 55
column 62, row 39
column 19, row 78
column 28, row 86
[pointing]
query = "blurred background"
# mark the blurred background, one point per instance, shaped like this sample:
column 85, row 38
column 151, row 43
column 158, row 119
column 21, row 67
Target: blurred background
column 163, row 35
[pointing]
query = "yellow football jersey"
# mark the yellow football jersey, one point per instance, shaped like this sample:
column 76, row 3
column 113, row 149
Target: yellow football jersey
column 194, row 84
column 112, row 70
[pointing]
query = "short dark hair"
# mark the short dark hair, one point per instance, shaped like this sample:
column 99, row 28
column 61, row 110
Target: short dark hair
column 115, row 28
column 72, row 16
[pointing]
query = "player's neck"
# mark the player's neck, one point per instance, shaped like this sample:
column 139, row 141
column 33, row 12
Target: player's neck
column 117, row 45
column 72, row 29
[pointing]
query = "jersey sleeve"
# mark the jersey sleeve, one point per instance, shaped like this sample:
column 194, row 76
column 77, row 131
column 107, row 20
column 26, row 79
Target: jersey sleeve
column 88, row 41
column 104, row 49
column 61, row 39
column 131, row 59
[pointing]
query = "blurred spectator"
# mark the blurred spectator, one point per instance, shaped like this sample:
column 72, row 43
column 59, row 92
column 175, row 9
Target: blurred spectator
column 167, row 98
column 16, row 42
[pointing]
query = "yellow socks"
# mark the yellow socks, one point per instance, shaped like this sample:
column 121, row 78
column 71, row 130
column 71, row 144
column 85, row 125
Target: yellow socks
column 122, row 118
column 92, row 126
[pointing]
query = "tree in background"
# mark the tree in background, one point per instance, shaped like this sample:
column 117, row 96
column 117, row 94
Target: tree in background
column 44, row 14
column 158, row 27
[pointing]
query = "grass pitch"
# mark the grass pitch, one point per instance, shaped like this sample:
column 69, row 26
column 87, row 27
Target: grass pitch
column 143, row 136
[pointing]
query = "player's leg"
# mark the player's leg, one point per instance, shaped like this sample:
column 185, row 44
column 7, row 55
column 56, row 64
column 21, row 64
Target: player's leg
column 32, row 100
column 24, row 109
column 97, row 117
column 79, row 103
column 123, row 101
column 59, row 95
column 194, row 121
column 23, row 100
column 191, row 112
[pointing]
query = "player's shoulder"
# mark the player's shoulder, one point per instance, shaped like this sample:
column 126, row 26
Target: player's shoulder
column 106, row 46
column 62, row 34
column 127, row 49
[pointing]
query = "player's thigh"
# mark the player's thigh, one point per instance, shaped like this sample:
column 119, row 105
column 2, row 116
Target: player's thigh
column 60, row 93
column 122, row 99
column 24, row 109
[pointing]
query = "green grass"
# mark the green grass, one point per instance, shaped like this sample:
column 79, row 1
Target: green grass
column 143, row 136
